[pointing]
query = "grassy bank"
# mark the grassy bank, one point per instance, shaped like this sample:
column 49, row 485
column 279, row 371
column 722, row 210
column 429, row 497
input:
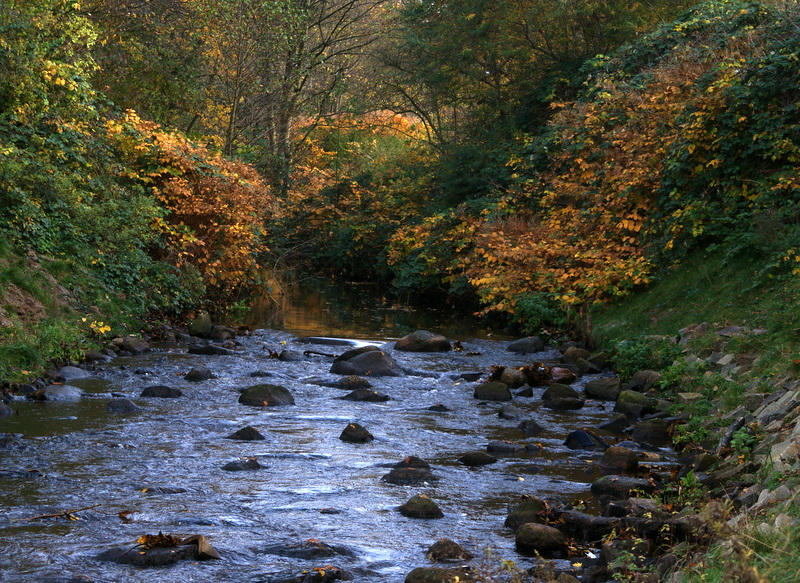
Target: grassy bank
column 52, row 311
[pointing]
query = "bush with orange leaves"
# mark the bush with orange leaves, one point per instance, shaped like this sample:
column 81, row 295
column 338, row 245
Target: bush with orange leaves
column 215, row 209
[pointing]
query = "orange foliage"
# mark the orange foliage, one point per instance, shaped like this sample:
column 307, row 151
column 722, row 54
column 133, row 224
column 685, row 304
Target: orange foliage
column 215, row 208
column 586, row 243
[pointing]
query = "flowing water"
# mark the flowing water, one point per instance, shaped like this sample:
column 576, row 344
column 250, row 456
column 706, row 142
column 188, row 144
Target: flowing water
column 313, row 485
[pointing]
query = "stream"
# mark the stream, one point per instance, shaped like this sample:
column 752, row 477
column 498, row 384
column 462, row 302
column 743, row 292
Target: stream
column 160, row 470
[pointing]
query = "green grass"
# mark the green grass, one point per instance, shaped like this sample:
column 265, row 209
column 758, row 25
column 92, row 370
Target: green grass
column 708, row 288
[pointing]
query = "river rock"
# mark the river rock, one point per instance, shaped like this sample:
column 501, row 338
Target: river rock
column 309, row 550
column 316, row 575
column 529, row 509
column 505, row 447
column 606, row 389
column 584, row 439
column 559, row 391
column 573, row 354
column 222, row 333
column 351, row 383
column 366, row 361
column 247, row 434
column 563, row 375
column 199, row 373
column 413, row 461
column 509, row 412
column 565, row 404
column 438, row 575
column 125, row 406
column 242, row 465
column 162, row 392
column 409, row 476
column 291, row 356
column 439, row 408
column 445, row 550
column 477, row 458
column 619, row 460
column 652, row 432
column 420, row 506
column 134, row 345
column 266, row 395
column 513, row 377
column 209, row 350
column 201, row 326
column 92, row 356
column 64, row 393
column 527, row 345
column 366, row 395
column 633, row 404
column 643, row 380
column 423, row 341
column 492, row 392
column 540, row 539
column 355, row 433
column 153, row 557
column 617, row 423
column 619, row 487
column 70, row 373
column 530, row 427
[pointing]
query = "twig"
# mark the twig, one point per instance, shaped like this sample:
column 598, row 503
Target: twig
column 69, row 514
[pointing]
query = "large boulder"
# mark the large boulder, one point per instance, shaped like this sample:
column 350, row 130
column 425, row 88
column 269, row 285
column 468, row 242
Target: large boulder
column 541, row 540
column 356, row 433
column 366, row 395
column 446, row 550
column 584, row 439
column 266, row 395
column 367, row 361
column 559, row 391
column 606, row 389
column 643, row 380
column 619, row 460
column 634, row 404
column 58, row 393
column 492, row 392
column 134, row 345
column 247, row 434
column 420, row 506
column 198, row 374
column 530, row 509
column 124, row 406
column 477, row 458
column 526, row 345
column 162, row 392
column 573, row 354
column 70, row 373
column 652, row 432
column 423, row 341
column 409, row 476
column 201, row 326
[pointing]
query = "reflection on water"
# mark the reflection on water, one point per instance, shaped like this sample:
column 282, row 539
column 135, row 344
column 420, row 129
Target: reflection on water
column 316, row 307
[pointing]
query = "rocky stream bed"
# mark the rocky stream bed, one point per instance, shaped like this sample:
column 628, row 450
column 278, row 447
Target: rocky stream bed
column 267, row 457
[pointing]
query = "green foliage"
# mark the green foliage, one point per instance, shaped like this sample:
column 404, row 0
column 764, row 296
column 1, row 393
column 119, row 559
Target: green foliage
column 534, row 312
column 745, row 439
column 645, row 353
